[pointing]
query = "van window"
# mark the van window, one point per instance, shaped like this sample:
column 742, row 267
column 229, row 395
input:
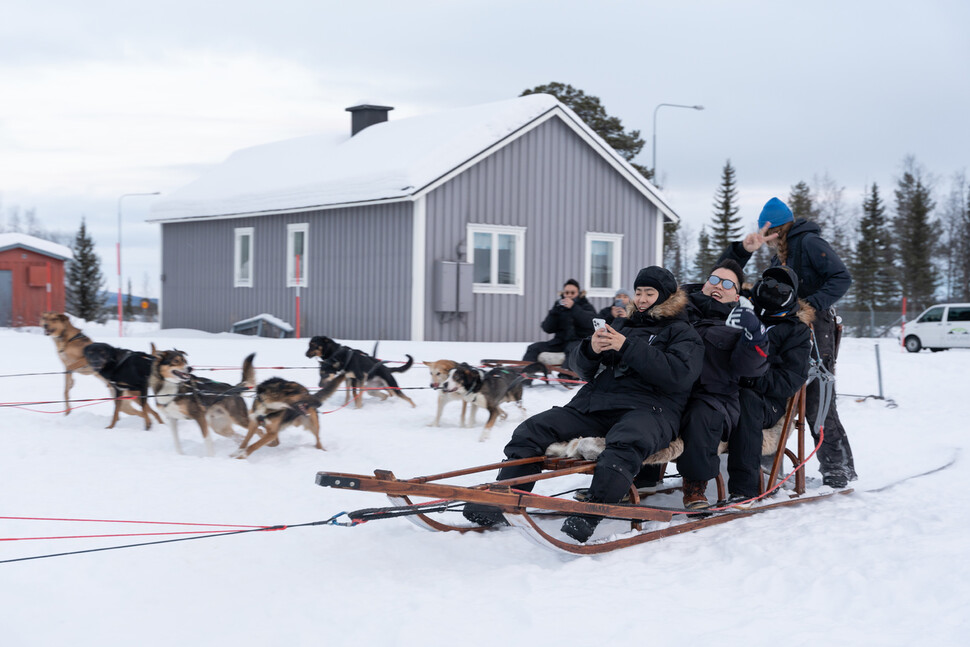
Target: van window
column 932, row 315
column 958, row 313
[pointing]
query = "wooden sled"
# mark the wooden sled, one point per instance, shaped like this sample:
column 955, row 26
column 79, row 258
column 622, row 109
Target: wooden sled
column 522, row 508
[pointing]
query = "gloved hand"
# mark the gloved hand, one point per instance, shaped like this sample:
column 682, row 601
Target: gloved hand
column 743, row 317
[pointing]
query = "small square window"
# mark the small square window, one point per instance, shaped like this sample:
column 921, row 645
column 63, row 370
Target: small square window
column 603, row 262
column 498, row 258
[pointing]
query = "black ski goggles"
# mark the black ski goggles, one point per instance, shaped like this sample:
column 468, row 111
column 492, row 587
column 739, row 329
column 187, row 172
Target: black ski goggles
column 782, row 289
column 717, row 280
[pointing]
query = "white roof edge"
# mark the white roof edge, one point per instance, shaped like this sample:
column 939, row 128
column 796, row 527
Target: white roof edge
column 41, row 246
column 276, row 212
column 583, row 130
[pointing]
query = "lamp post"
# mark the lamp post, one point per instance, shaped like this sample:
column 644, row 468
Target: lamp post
column 118, row 250
column 659, row 106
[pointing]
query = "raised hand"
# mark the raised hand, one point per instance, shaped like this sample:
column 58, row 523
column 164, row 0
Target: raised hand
column 755, row 240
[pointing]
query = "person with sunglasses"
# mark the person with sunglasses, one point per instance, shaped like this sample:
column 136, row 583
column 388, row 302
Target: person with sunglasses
column 735, row 346
column 822, row 280
column 764, row 399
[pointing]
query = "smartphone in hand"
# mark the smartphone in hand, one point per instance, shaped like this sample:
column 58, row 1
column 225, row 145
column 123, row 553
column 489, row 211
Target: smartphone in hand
column 598, row 323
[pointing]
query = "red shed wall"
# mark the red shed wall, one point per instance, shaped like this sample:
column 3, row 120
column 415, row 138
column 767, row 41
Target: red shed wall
column 30, row 299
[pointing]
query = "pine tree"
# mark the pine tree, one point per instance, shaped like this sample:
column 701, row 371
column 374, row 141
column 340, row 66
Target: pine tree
column 84, row 279
column 706, row 256
column 726, row 226
column 873, row 282
column 590, row 110
column 914, row 234
column 801, row 203
column 673, row 250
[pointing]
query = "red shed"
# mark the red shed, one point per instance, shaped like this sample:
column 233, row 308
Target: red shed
column 31, row 278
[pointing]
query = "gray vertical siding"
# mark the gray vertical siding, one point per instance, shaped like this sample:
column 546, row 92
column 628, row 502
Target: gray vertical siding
column 551, row 182
column 359, row 273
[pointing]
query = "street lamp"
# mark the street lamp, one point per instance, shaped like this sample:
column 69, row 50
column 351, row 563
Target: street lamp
column 659, row 106
column 126, row 195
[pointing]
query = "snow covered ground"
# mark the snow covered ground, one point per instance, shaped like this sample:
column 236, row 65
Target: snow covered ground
column 872, row 568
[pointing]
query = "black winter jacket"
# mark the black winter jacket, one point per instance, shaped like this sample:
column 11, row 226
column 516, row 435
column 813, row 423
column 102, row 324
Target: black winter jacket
column 822, row 276
column 570, row 324
column 791, row 343
column 728, row 354
column 655, row 368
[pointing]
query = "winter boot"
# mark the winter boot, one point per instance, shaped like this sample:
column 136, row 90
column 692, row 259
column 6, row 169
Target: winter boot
column 580, row 527
column 695, row 496
column 837, row 480
column 483, row 515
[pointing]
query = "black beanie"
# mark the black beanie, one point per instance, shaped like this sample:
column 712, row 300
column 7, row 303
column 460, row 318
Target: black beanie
column 658, row 278
column 571, row 282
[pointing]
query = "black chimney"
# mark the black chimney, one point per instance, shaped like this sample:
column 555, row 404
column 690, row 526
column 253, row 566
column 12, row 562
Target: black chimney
column 366, row 115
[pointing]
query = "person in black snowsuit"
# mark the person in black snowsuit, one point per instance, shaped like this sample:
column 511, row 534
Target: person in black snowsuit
column 639, row 375
column 616, row 309
column 822, row 280
column 764, row 399
column 735, row 346
column 569, row 320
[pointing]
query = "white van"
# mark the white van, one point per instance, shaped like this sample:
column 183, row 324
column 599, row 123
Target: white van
column 940, row 327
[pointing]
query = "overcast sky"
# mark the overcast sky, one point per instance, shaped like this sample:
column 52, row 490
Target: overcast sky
column 100, row 99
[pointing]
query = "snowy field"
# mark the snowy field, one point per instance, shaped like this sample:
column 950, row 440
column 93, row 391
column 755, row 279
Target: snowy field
column 872, row 568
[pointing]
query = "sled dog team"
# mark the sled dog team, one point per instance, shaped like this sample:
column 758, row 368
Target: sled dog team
column 179, row 394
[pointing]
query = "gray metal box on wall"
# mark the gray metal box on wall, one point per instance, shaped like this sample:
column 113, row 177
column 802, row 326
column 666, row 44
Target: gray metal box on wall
column 452, row 286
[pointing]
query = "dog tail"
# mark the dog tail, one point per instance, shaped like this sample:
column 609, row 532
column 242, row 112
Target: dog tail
column 373, row 353
column 401, row 369
column 328, row 389
column 534, row 369
column 248, row 372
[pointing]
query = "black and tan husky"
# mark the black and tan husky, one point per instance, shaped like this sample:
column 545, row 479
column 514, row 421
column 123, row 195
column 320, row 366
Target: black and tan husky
column 179, row 395
column 280, row 404
column 363, row 371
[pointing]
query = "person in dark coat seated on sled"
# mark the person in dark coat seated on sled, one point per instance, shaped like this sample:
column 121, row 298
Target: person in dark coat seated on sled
column 616, row 309
column 735, row 346
column 822, row 280
column 764, row 399
column 639, row 375
column 570, row 320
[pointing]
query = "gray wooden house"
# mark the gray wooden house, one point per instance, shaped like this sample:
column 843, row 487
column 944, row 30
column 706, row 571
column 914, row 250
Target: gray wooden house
column 458, row 226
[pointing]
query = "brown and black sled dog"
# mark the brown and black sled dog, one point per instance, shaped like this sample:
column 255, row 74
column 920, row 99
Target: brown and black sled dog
column 179, row 395
column 280, row 404
column 126, row 372
column 70, row 343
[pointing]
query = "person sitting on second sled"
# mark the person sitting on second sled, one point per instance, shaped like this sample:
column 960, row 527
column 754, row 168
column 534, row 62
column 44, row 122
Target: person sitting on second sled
column 639, row 375
column 735, row 346
column 570, row 319
column 764, row 399
column 616, row 309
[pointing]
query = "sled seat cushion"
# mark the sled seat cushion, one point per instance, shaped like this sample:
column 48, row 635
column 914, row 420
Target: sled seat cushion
column 591, row 447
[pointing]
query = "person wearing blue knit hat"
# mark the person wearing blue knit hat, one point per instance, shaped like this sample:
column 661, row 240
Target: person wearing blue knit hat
column 822, row 280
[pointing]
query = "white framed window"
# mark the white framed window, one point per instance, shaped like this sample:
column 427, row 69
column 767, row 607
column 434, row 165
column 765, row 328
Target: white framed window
column 242, row 262
column 297, row 239
column 604, row 253
column 497, row 253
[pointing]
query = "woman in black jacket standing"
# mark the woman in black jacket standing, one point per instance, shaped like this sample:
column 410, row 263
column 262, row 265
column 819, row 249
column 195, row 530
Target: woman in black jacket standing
column 639, row 376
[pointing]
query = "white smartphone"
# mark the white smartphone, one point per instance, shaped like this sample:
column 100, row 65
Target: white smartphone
column 598, row 323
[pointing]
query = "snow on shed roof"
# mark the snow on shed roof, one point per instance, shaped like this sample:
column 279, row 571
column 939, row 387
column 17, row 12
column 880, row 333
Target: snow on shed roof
column 392, row 160
column 39, row 245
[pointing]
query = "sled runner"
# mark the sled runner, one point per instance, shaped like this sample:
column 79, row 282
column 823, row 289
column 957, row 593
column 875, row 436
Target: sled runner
column 524, row 510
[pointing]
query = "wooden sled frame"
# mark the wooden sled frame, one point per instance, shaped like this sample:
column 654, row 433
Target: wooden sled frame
column 516, row 504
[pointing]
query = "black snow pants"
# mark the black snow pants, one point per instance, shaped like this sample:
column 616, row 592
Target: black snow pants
column 835, row 454
column 631, row 435
column 744, row 444
column 702, row 428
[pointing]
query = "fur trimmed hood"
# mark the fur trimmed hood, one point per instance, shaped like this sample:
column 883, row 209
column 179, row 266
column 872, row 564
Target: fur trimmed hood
column 672, row 307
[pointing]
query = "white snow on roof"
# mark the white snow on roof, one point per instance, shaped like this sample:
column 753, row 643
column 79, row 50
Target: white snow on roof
column 390, row 160
column 36, row 244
